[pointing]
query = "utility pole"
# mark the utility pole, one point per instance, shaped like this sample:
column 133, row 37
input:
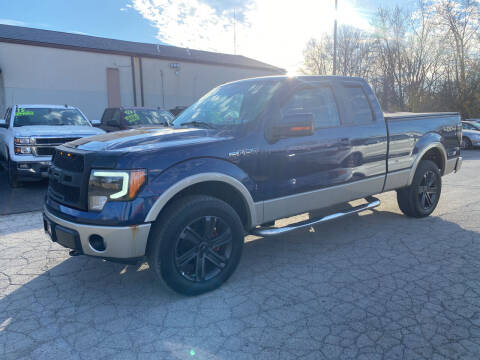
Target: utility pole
column 335, row 41
column 234, row 32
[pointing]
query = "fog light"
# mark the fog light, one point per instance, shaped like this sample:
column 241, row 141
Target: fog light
column 96, row 241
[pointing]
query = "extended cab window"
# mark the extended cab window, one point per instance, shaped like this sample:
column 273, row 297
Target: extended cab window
column 358, row 106
column 318, row 101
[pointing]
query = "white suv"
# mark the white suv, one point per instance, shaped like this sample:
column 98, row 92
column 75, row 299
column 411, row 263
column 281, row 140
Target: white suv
column 30, row 133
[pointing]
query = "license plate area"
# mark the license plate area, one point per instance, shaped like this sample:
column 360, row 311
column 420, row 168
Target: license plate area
column 66, row 237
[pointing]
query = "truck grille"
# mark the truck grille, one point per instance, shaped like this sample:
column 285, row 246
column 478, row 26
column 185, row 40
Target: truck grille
column 68, row 161
column 44, row 151
column 45, row 146
column 64, row 193
column 54, row 141
column 67, row 179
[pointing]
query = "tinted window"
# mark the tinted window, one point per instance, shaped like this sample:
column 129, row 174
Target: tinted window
column 107, row 115
column 318, row 101
column 48, row 116
column 358, row 106
column 116, row 116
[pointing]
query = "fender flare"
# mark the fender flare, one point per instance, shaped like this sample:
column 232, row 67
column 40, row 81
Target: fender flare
column 199, row 178
column 434, row 145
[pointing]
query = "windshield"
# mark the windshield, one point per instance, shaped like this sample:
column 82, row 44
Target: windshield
column 147, row 117
column 475, row 125
column 49, row 117
column 230, row 105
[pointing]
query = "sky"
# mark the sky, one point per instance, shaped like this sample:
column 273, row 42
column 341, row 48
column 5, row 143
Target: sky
column 272, row 31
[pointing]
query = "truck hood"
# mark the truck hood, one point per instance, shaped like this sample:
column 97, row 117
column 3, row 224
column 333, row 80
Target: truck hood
column 60, row 131
column 149, row 139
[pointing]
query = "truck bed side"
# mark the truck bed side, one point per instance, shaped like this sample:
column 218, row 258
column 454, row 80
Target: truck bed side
column 412, row 136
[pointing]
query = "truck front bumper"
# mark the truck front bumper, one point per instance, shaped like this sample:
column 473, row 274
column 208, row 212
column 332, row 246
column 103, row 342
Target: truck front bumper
column 30, row 169
column 108, row 242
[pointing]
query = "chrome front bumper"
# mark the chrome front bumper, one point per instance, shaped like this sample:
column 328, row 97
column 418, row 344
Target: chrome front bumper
column 121, row 242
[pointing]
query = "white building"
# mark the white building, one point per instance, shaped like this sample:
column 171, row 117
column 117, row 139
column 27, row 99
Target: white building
column 92, row 73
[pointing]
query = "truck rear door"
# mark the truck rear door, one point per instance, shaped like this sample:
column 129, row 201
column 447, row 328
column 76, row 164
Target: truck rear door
column 345, row 158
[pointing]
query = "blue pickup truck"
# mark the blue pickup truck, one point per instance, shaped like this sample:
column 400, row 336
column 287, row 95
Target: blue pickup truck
column 244, row 155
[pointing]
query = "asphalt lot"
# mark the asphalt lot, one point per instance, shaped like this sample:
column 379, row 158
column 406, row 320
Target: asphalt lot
column 29, row 197
column 373, row 286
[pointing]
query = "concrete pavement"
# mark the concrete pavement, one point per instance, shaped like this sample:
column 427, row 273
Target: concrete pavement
column 373, row 286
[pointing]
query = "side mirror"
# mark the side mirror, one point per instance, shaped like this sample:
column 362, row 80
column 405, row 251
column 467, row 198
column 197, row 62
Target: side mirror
column 3, row 123
column 294, row 125
column 96, row 122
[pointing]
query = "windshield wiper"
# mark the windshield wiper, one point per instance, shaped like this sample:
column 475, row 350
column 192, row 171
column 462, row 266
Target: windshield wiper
column 199, row 124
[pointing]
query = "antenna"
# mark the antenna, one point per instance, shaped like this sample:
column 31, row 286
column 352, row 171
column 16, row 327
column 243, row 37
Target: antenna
column 234, row 32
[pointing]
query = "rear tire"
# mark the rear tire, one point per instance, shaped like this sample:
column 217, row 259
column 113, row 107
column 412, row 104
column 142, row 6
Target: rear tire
column 196, row 244
column 421, row 198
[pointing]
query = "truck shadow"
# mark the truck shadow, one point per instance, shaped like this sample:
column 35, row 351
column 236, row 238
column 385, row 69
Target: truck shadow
column 85, row 294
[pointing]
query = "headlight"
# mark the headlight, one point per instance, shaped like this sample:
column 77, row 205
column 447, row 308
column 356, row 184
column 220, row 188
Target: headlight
column 23, row 150
column 113, row 185
column 23, row 141
column 20, row 145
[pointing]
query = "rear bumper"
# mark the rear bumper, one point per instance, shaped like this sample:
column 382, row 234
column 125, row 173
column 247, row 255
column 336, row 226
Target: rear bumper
column 453, row 165
column 121, row 242
column 458, row 165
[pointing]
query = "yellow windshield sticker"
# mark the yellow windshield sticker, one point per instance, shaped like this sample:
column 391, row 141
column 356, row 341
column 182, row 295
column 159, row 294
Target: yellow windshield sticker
column 132, row 117
column 23, row 112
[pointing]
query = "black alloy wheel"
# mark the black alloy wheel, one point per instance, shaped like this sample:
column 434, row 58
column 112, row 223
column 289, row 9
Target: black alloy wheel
column 421, row 198
column 196, row 244
column 203, row 248
column 428, row 190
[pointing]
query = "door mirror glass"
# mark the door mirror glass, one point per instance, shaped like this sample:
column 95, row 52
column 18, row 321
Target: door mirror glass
column 95, row 122
column 294, row 125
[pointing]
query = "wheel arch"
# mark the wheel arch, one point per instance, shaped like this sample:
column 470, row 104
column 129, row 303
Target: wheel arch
column 214, row 184
column 434, row 151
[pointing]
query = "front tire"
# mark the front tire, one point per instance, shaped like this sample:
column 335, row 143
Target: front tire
column 421, row 198
column 12, row 177
column 196, row 244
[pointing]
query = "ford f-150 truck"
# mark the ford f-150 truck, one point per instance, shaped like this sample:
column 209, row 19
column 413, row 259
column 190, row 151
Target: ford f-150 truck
column 244, row 155
column 29, row 134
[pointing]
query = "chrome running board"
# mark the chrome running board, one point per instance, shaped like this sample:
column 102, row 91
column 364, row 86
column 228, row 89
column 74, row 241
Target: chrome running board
column 259, row 231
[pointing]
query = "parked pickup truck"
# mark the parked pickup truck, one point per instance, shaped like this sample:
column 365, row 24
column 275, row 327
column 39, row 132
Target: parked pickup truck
column 244, row 155
column 124, row 118
column 29, row 134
